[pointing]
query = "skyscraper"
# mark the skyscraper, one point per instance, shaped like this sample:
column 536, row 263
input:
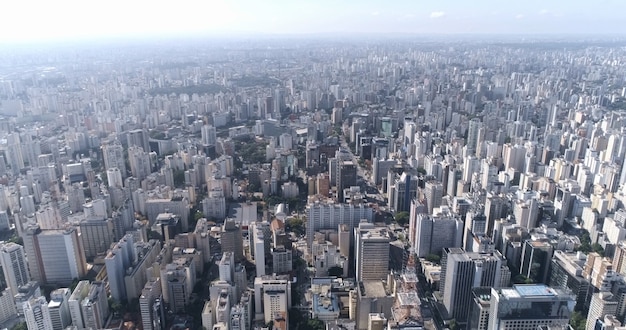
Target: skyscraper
column 117, row 261
column 113, row 155
column 473, row 135
column 231, row 239
column 433, row 193
column 435, row 232
column 372, row 252
column 602, row 304
column 55, row 255
column 59, row 309
column 37, row 314
column 95, row 307
column 324, row 215
column 346, row 176
column 460, row 272
column 138, row 138
column 14, row 266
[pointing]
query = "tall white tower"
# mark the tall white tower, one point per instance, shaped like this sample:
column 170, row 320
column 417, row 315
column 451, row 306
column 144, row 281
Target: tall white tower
column 14, row 266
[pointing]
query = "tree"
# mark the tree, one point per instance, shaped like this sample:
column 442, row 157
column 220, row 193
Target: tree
column 595, row 247
column 335, row 271
column 433, row 258
column 295, row 318
column 295, row 225
column 577, row 321
column 452, row 325
column 20, row 326
column 402, row 218
column 313, row 324
column 521, row 279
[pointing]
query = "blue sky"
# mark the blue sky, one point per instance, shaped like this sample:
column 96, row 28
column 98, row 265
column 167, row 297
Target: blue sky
column 27, row 20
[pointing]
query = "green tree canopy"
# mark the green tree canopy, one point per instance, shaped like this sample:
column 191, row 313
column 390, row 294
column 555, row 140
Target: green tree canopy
column 402, row 218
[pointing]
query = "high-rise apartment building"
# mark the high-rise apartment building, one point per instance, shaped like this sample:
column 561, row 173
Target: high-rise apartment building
column 433, row 194
column 95, row 306
column 7, row 305
column 139, row 161
column 80, row 292
column 151, row 291
column 430, row 234
column 59, row 308
column 117, row 260
column 326, row 215
column 113, row 155
column 37, row 314
column 602, row 304
column 138, row 138
column 371, row 252
column 14, row 267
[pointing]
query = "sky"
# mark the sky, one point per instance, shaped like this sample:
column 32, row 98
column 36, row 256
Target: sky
column 36, row 20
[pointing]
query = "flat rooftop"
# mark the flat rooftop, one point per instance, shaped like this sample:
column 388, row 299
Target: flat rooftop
column 534, row 290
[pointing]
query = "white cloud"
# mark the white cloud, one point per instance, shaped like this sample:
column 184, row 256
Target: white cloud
column 544, row 12
column 375, row 13
column 519, row 16
column 437, row 14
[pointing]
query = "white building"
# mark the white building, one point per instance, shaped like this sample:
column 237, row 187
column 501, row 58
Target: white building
column 59, row 309
column 37, row 314
column 14, row 266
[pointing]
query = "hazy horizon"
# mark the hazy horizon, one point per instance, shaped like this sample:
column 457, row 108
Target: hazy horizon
column 32, row 21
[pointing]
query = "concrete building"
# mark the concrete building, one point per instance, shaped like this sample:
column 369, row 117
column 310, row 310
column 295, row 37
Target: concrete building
column 272, row 296
column 371, row 297
column 371, row 252
column 177, row 281
column 433, row 194
column 95, row 307
column 529, row 307
column 282, row 260
column 325, row 215
column 113, row 155
column 119, row 258
column 59, row 309
column 55, row 255
column 430, row 234
column 178, row 206
column 150, row 293
column 214, row 205
column 97, row 234
column 479, row 310
column 567, row 273
column 14, row 267
column 460, row 272
column 602, row 304
column 7, row 305
column 37, row 314
column 232, row 239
